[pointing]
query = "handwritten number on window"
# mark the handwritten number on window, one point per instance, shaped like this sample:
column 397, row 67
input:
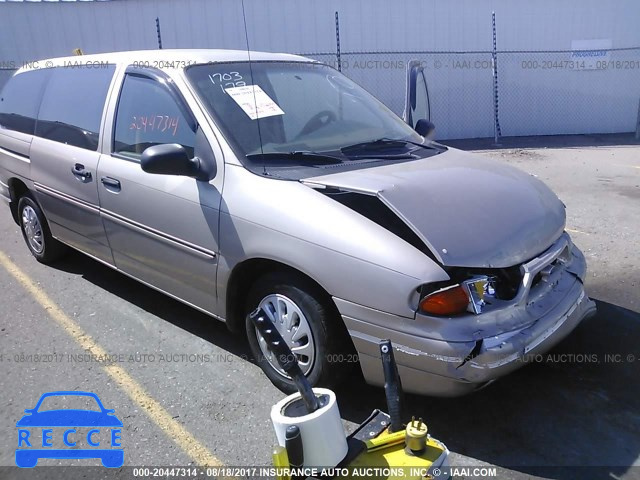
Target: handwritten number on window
column 227, row 80
column 159, row 123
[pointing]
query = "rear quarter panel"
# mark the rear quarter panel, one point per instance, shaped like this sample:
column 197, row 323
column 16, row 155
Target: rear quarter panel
column 14, row 155
column 14, row 161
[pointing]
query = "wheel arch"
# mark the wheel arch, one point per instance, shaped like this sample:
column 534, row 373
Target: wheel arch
column 242, row 277
column 17, row 189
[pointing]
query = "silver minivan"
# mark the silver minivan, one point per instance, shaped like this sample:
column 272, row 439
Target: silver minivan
column 230, row 181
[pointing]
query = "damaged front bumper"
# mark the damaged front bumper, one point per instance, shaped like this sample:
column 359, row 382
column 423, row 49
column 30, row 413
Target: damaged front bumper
column 453, row 361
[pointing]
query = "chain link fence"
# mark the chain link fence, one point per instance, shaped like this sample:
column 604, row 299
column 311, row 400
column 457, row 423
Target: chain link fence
column 538, row 92
column 546, row 93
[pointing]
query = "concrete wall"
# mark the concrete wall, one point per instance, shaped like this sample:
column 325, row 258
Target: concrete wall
column 534, row 96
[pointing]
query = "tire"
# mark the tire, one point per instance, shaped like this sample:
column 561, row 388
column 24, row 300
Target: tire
column 36, row 233
column 328, row 335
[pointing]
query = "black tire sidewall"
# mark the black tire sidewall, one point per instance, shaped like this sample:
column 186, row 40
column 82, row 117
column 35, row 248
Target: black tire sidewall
column 317, row 312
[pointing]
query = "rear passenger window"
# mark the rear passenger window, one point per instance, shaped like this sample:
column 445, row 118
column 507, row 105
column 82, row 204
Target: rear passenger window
column 149, row 115
column 72, row 105
column 20, row 99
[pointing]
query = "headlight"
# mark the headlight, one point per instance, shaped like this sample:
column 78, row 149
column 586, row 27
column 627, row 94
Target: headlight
column 448, row 301
column 471, row 295
column 480, row 289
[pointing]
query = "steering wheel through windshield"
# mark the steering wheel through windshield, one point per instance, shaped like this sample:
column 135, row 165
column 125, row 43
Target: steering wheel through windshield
column 319, row 120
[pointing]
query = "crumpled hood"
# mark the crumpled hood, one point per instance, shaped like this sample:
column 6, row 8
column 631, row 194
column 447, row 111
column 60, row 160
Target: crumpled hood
column 469, row 210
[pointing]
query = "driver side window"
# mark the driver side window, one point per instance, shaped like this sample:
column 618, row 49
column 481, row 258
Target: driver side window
column 148, row 115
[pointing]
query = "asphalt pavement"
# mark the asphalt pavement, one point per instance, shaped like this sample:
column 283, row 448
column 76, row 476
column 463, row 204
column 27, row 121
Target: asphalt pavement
column 188, row 394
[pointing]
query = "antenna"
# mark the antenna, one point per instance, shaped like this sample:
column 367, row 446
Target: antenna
column 253, row 86
column 158, row 32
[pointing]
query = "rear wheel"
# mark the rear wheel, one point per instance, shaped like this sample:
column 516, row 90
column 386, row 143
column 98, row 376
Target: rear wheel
column 308, row 322
column 36, row 233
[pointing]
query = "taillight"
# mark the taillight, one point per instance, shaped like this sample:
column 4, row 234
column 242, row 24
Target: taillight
column 451, row 301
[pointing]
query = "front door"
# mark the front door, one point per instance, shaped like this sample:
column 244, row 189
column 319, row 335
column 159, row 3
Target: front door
column 162, row 229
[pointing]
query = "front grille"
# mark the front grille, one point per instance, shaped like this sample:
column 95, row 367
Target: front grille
column 517, row 281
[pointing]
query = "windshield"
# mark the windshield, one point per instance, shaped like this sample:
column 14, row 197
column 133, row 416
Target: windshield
column 293, row 107
column 66, row 402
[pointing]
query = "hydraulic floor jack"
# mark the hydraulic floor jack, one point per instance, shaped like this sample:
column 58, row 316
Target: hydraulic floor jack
column 311, row 437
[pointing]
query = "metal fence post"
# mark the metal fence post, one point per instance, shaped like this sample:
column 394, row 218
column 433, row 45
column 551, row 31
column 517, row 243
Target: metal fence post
column 158, row 32
column 638, row 123
column 494, row 67
column 338, row 42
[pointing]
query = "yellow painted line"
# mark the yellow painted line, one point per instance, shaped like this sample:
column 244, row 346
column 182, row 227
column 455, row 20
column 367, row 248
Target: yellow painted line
column 575, row 231
column 136, row 392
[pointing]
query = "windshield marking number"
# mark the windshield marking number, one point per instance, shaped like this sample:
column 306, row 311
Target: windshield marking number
column 227, row 80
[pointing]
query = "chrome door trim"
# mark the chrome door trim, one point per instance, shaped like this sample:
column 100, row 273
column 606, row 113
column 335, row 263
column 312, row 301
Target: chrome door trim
column 171, row 240
column 65, row 197
column 16, row 155
column 124, row 221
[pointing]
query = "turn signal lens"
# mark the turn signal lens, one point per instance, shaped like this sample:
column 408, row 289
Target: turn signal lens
column 451, row 301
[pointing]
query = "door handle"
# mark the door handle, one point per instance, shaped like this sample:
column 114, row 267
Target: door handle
column 112, row 183
column 78, row 169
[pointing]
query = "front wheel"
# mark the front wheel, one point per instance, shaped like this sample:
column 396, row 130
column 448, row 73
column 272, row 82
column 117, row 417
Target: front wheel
column 308, row 322
column 36, row 233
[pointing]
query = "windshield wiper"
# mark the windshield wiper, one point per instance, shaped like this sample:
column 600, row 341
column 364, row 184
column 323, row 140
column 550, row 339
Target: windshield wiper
column 382, row 143
column 314, row 157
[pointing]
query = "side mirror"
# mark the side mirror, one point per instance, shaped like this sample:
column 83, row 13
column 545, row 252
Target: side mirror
column 425, row 128
column 169, row 159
